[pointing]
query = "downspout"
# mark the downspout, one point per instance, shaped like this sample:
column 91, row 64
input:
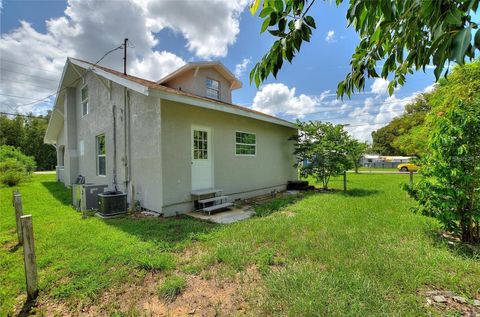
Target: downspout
column 114, row 115
column 125, row 134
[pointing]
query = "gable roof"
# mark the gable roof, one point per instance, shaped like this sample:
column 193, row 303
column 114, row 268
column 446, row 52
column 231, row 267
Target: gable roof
column 218, row 66
column 148, row 88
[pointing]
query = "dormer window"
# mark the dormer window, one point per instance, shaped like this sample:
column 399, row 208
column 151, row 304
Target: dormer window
column 213, row 88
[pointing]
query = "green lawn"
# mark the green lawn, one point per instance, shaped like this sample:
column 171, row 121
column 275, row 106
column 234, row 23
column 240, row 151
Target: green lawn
column 356, row 253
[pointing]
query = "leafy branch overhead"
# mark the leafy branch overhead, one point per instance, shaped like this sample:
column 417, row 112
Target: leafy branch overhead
column 402, row 35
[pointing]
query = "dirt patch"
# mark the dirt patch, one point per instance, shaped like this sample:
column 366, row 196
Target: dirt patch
column 206, row 294
column 448, row 302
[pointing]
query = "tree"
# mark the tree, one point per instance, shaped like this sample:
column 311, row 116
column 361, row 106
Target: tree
column 404, row 35
column 409, row 133
column 356, row 150
column 26, row 134
column 391, row 139
column 321, row 150
column 450, row 187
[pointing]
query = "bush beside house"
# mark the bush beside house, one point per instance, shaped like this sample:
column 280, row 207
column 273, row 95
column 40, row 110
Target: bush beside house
column 14, row 165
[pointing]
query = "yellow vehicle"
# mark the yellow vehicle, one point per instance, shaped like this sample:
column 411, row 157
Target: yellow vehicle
column 407, row 167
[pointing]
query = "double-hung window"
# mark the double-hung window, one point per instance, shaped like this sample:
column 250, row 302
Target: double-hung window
column 213, row 88
column 84, row 95
column 101, row 155
column 245, row 143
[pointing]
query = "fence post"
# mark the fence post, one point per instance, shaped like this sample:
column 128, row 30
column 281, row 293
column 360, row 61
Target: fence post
column 17, row 202
column 411, row 177
column 29, row 257
column 345, row 181
column 15, row 192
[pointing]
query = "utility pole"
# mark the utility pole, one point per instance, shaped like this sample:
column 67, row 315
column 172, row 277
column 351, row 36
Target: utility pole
column 125, row 41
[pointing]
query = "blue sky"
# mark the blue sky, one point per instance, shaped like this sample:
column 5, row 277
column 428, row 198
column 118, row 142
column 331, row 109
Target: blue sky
column 167, row 34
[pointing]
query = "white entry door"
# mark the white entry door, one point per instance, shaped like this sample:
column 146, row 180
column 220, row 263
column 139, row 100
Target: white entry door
column 202, row 160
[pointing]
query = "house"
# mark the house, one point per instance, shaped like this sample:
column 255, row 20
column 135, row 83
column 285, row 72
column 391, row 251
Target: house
column 165, row 142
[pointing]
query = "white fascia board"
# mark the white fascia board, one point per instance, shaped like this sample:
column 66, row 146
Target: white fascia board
column 54, row 126
column 219, row 107
column 119, row 80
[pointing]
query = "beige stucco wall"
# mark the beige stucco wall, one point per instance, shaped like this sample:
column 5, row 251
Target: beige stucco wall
column 160, row 148
column 238, row 176
column 198, row 85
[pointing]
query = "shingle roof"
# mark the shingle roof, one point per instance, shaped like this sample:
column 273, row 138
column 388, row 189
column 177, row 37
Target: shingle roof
column 160, row 87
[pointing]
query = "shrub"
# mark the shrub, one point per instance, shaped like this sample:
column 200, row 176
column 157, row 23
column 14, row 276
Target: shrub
column 171, row 287
column 14, row 165
column 449, row 189
column 12, row 172
column 10, row 152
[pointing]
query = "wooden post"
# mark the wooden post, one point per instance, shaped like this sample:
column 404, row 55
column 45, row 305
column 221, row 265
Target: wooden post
column 411, row 177
column 29, row 257
column 15, row 192
column 345, row 181
column 17, row 202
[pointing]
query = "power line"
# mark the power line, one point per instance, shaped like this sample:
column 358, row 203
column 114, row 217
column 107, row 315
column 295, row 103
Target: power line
column 73, row 82
column 30, row 66
column 28, row 75
column 22, row 115
column 22, row 82
column 15, row 96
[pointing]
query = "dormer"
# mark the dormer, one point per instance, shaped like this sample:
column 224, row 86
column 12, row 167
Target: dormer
column 206, row 79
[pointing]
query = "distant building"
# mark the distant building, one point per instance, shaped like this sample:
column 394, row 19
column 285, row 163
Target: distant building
column 382, row 161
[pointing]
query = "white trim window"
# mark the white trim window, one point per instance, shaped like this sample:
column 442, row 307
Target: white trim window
column 84, row 96
column 101, row 155
column 213, row 88
column 245, row 143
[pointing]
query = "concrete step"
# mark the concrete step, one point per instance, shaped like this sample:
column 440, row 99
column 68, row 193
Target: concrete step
column 205, row 191
column 217, row 207
column 209, row 200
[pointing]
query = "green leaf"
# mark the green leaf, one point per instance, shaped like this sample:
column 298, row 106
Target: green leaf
column 273, row 18
column 477, row 39
column 265, row 12
column 460, row 44
column 278, row 5
column 265, row 25
column 310, row 21
column 254, row 6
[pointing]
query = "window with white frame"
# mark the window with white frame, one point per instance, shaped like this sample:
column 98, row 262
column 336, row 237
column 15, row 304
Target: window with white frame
column 245, row 143
column 101, row 155
column 213, row 88
column 84, row 95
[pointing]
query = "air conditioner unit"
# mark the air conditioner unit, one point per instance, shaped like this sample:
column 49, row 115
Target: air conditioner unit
column 89, row 195
column 112, row 204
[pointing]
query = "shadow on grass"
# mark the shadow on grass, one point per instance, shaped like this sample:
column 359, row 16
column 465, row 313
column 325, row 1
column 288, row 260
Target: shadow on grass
column 59, row 191
column 361, row 192
column 270, row 206
column 166, row 230
column 27, row 308
column 462, row 249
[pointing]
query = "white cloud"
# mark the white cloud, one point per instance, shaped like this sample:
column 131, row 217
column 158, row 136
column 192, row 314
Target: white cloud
column 430, row 88
column 208, row 26
column 330, row 38
column 88, row 29
column 278, row 99
column 242, row 67
column 156, row 65
column 380, row 86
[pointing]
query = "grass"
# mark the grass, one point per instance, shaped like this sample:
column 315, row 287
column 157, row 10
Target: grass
column 356, row 253
column 171, row 287
column 77, row 258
